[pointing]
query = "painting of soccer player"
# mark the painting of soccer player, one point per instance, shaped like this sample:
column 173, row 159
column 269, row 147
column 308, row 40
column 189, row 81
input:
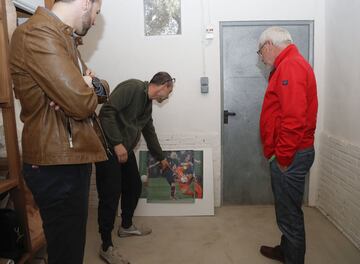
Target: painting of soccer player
column 171, row 177
column 182, row 183
column 198, row 174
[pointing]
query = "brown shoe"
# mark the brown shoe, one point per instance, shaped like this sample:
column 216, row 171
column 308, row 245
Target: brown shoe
column 273, row 253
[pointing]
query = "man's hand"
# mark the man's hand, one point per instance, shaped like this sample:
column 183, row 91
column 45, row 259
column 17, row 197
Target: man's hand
column 121, row 153
column 54, row 105
column 90, row 73
column 164, row 165
column 88, row 80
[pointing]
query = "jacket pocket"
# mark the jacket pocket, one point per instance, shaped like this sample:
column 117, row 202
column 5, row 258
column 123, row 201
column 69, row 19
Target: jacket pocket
column 276, row 130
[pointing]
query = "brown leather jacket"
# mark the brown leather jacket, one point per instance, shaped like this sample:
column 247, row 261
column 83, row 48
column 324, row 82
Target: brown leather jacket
column 45, row 67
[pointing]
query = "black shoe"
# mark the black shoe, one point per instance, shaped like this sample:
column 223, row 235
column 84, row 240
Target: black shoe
column 273, row 253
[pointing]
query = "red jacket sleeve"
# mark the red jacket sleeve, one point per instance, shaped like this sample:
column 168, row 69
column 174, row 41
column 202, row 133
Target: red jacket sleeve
column 291, row 89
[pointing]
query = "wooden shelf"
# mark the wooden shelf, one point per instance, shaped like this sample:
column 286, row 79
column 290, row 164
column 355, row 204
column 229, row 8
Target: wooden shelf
column 8, row 184
column 11, row 166
column 24, row 258
column 1, row 12
column 4, row 69
column 37, row 242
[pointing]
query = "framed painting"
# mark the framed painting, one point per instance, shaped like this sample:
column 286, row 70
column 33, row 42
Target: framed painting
column 162, row 17
column 185, row 188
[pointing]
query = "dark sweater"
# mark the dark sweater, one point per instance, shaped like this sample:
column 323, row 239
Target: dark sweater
column 127, row 114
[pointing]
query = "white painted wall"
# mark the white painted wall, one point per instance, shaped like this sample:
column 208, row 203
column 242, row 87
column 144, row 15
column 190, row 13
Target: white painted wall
column 342, row 70
column 116, row 49
column 339, row 183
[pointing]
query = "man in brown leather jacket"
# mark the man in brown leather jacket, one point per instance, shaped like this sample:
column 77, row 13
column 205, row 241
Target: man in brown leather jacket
column 61, row 135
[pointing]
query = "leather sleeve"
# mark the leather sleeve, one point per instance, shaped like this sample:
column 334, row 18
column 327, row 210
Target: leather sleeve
column 49, row 61
column 101, row 99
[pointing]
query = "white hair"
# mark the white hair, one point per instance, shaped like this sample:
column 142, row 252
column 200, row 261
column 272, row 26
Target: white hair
column 277, row 35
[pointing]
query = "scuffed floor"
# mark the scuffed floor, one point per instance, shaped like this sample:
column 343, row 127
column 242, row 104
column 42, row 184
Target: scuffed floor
column 234, row 235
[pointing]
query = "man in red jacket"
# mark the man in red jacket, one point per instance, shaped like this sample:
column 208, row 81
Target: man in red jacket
column 287, row 127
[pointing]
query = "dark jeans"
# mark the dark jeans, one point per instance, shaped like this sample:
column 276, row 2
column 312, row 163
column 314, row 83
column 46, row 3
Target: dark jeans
column 62, row 193
column 288, row 188
column 113, row 179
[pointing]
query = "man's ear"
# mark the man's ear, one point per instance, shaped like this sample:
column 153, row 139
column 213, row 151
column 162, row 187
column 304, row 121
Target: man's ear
column 164, row 86
column 158, row 89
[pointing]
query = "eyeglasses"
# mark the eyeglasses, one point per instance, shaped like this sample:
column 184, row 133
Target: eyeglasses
column 173, row 80
column 259, row 51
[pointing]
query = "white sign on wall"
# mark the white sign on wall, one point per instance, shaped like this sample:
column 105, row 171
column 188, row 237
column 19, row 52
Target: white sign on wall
column 28, row 5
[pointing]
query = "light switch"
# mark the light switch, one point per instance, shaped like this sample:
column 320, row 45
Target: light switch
column 204, row 82
column 209, row 32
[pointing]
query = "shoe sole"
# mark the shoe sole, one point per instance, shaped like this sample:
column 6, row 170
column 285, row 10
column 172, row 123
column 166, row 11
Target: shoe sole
column 105, row 259
column 132, row 234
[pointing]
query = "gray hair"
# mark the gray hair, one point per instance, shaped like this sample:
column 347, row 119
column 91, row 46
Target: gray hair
column 277, row 35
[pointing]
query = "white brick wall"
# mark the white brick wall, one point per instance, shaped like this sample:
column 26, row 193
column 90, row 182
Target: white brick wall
column 339, row 185
column 180, row 142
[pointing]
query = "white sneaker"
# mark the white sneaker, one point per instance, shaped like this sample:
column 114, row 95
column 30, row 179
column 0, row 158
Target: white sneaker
column 133, row 231
column 111, row 256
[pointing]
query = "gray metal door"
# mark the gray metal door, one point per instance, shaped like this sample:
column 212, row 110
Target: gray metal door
column 246, row 175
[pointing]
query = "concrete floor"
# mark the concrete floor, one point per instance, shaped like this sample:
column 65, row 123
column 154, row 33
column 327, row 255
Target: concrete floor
column 234, row 235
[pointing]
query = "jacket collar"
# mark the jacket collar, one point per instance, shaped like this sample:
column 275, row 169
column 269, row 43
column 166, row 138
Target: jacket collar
column 41, row 11
column 146, row 91
column 289, row 51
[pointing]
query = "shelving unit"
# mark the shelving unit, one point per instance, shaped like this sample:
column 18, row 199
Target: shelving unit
column 7, row 108
column 11, row 166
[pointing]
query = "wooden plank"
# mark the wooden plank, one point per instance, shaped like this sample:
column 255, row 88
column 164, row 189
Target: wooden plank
column 8, row 184
column 15, row 181
column 24, row 258
column 5, row 82
column 49, row 4
column 18, row 196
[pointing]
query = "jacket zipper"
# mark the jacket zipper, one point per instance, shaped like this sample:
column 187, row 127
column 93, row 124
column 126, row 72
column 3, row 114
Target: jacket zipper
column 70, row 133
column 102, row 134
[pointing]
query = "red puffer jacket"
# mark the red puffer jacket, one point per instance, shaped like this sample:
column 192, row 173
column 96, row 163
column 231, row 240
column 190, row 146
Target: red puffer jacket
column 288, row 117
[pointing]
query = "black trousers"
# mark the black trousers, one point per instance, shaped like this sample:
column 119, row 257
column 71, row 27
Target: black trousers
column 112, row 180
column 62, row 194
column 288, row 189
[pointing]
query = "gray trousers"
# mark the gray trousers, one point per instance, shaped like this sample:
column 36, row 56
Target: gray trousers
column 288, row 189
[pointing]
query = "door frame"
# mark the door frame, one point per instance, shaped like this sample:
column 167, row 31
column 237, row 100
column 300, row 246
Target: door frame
column 222, row 25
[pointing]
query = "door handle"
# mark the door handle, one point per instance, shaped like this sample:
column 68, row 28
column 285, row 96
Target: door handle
column 226, row 116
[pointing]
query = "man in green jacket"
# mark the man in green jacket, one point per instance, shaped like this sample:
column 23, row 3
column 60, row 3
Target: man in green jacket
column 124, row 117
